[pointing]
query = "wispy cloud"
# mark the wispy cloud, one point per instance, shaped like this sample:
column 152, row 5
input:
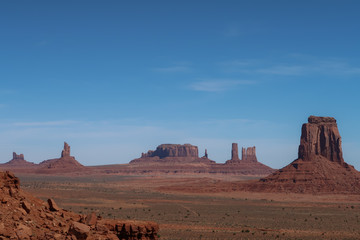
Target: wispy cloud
column 218, row 85
column 283, row 70
column 293, row 65
column 172, row 69
column 45, row 124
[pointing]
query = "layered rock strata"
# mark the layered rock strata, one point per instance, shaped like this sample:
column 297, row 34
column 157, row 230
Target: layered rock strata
column 172, row 153
column 319, row 168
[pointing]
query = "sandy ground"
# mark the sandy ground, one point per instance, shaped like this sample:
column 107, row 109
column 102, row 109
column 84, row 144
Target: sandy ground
column 204, row 211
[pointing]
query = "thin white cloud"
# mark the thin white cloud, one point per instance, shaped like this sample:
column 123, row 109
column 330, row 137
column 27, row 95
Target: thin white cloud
column 44, row 124
column 283, row 70
column 293, row 65
column 218, row 85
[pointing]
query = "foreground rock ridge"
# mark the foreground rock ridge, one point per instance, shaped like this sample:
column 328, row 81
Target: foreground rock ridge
column 26, row 217
column 320, row 167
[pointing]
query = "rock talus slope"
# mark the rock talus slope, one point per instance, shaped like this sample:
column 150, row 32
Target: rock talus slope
column 320, row 167
column 26, row 217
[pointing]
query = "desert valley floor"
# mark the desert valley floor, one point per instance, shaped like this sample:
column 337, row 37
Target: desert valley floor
column 207, row 210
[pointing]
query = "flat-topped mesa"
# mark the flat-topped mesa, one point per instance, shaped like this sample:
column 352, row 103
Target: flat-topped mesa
column 66, row 151
column 173, row 150
column 235, row 152
column 249, row 154
column 320, row 136
column 18, row 157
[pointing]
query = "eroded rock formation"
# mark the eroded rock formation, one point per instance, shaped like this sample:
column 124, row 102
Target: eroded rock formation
column 235, row 152
column 26, row 217
column 173, row 154
column 173, row 150
column 18, row 157
column 249, row 154
column 320, row 167
column 18, row 161
column 65, row 163
column 320, row 136
column 66, row 151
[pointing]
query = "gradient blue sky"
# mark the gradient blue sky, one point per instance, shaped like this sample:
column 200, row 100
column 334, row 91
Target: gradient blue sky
column 117, row 78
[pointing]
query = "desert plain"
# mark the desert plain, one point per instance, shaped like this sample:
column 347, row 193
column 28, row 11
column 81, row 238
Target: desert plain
column 206, row 210
column 172, row 193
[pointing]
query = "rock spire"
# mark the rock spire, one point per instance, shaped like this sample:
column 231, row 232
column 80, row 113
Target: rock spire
column 234, row 152
column 66, row 151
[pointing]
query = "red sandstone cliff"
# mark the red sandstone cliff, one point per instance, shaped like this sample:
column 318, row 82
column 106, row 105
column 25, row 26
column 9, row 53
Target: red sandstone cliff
column 320, row 166
column 172, row 153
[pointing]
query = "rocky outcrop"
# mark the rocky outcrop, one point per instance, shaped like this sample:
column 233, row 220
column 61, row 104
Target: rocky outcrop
column 65, row 163
column 320, row 167
column 18, row 157
column 26, row 217
column 173, row 154
column 234, row 152
column 249, row 154
column 206, row 154
column 320, row 136
column 66, row 151
column 170, row 159
column 18, row 161
column 173, row 150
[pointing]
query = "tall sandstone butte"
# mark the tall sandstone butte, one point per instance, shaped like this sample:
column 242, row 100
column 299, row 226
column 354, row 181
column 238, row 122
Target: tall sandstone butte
column 18, row 156
column 234, row 152
column 249, row 154
column 66, row 151
column 320, row 136
column 66, row 163
column 320, row 167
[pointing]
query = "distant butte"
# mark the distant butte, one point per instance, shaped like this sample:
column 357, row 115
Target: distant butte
column 18, row 161
column 184, row 159
column 64, row 163
column 172, row 153
column 319, row 168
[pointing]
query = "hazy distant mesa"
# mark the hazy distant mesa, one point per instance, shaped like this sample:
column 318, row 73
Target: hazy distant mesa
column 167, row 159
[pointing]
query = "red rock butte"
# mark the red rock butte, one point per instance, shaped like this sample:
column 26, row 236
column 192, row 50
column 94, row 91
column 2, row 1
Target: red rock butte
column 177, row 158
column 18, row 161
column 319, row 168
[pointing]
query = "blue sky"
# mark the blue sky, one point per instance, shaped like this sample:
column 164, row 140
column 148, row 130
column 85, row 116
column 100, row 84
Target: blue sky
column 116, row 78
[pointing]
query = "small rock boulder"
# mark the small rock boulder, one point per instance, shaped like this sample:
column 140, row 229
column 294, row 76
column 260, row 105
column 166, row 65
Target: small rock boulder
column 53, row 206
column 79, row 230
